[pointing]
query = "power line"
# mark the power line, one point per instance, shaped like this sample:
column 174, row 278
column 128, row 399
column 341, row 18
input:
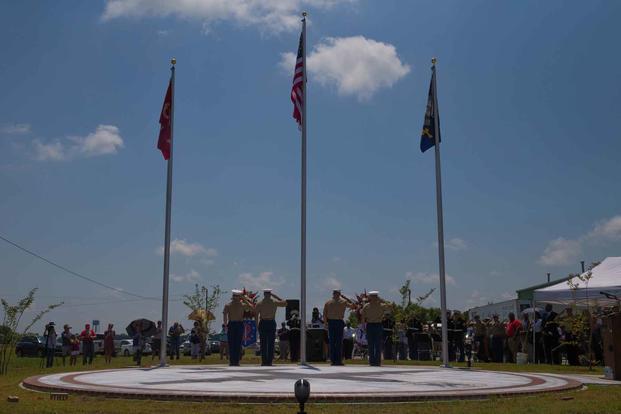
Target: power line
column 71, row 272
column 71, row 305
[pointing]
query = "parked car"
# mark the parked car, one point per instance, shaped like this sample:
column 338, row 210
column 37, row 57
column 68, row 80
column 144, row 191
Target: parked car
column 214, row 343
column 98, row 343
column 59, row 346
column 186, row 347
column 127, row 348
column 30, row 345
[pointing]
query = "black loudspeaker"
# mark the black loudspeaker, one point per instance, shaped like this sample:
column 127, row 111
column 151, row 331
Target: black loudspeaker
column 292, row 304
column 316, row 340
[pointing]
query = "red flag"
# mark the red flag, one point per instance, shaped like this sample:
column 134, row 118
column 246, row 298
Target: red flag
column 297, row 90
column 163, row 143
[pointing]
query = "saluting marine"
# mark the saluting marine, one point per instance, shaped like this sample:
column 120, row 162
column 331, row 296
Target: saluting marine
column 265, row 316
column 233, row 318
column 333, row 313
column 372, row 315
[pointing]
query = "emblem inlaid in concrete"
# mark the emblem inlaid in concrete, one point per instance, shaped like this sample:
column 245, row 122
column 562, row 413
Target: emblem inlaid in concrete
column 351, row 383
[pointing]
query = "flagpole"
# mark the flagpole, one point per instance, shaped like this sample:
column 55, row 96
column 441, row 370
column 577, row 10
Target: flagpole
column 445, row 358
column 303, row 209
column 164, row 332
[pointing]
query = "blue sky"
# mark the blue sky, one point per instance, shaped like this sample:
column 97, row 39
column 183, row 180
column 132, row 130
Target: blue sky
column 529, row 96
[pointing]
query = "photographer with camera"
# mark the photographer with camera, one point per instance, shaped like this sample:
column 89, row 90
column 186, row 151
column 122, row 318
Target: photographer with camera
column 50, row 344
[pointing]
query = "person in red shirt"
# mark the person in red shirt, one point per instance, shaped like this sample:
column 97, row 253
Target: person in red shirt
column 88, row 347
column 513, row 339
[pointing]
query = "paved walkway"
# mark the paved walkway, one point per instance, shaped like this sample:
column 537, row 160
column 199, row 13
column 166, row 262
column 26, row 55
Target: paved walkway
column 274, row 384
column 588, row 379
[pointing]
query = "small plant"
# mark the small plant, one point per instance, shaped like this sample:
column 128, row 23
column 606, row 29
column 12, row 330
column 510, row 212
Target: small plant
column 204, row 301
column 10, row 325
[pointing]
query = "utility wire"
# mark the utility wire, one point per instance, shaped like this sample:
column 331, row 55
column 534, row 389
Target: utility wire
column 72, row 305
column 71, row 272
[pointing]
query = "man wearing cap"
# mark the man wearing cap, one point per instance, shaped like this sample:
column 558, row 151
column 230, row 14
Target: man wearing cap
column 65, row 337
column 372, row 315
column 265, row 317
column 233, row 317
column 333, row 313
column 497, row 332
column 294, row 336
column 50, row 344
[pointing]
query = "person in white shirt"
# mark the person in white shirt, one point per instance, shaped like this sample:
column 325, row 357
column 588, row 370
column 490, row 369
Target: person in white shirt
column 348, row 341
column 537, row 330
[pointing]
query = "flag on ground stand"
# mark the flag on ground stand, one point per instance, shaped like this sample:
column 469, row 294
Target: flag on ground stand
column 428, row 136
column 163, row 142
column 297, row 90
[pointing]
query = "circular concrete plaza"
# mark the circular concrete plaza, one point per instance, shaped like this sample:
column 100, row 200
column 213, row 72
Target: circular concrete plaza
column 354, row 383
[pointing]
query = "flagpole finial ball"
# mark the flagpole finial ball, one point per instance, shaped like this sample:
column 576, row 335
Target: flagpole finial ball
column 434, row 61
column 173, row 61
column 304, row 14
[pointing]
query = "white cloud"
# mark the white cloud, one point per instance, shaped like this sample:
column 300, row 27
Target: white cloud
column 15, row 129
column 211, row 252
column 354, row 65
column 163, row 33
column 454, row 244
column 331, row 282
column 182, row 247
column 263, row 280
column 105, row 140
column 52, row 151
column 561, row 252
column 192, row 276
column 118, row 293
column 268, row 15
column 476, row 299
column 607, row 230
column 429, row 278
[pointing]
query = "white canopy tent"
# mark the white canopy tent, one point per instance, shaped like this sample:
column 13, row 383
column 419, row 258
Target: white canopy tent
column 600, row 290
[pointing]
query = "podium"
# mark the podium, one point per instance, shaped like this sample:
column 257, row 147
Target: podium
column 316, row 339
column 611, row 336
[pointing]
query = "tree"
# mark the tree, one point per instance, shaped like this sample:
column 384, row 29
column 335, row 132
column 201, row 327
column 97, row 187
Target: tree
column 352, row 318
column 12, row 317
column 406, row 293
column 201, row 300
column 408, row 309
column 581, row 324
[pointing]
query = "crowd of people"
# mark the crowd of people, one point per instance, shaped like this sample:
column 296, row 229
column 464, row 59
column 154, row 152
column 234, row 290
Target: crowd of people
column 71, row 343
column 543, row 336
column 540, row 335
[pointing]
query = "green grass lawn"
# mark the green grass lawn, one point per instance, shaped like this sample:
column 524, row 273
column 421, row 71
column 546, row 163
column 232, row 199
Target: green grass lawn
column 595, row 399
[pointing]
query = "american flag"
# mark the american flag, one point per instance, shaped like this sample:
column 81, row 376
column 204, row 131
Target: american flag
column 297, row 90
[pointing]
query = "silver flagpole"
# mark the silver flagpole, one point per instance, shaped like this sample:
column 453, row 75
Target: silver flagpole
column 164, row 333
column 445, row 358
column 303, row 221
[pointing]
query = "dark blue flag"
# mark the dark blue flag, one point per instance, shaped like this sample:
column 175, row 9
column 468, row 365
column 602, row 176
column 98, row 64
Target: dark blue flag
column 432, row 118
